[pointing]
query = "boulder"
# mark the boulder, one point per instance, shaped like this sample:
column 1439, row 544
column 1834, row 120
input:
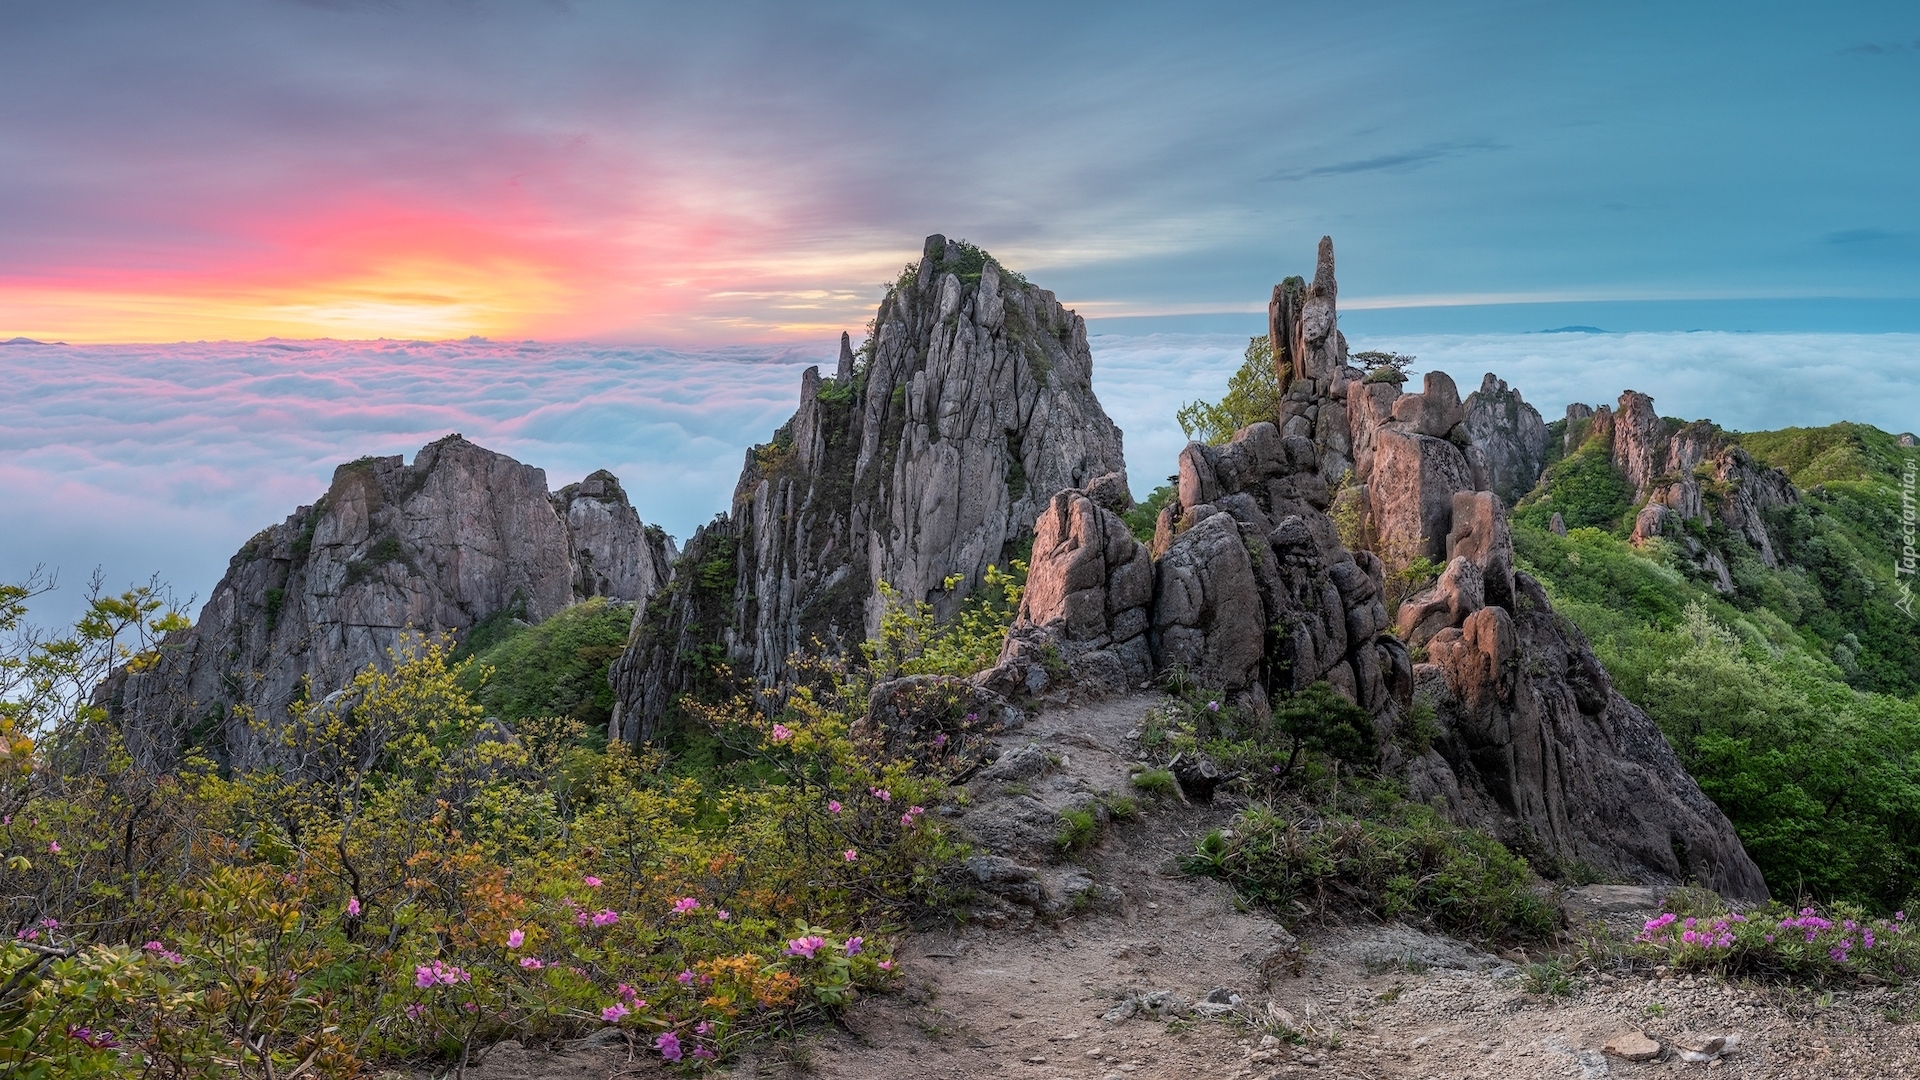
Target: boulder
column 1089, row 583
column 1410, row 491
column 1538, row 748
column 1207, row 616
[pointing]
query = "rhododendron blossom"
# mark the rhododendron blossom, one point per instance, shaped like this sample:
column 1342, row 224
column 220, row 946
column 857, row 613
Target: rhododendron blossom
column 805, row 946
column 685, row 905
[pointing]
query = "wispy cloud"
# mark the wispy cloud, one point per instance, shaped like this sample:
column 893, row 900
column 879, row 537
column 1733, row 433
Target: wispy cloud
column 1866, row 236
column 1398, row 161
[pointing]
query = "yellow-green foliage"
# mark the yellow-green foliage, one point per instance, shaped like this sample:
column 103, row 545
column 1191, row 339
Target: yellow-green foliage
column 912, row 641
column 414, row 881
column 1253, row 395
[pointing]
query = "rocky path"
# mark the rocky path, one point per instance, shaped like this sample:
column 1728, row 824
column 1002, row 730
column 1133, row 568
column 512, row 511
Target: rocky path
column 1101, row 964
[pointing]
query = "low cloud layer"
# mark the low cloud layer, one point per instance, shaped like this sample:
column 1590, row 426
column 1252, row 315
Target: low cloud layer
column 145, row 459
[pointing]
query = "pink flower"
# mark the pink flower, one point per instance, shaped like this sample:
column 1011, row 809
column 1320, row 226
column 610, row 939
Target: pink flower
column 612, row 1013
column 886, row 965
column 516, row 938
column 439, row 973
column 781, row 733
column 805, row 946
column 164, row 953
column 53, row 847
column 704, row 1027
column 415, row 1011
column 1213, row 706
column 724, row 915
column 591, row 882
column 940, row 740
column 470, row 1006
column 833, row 806
column 703, row 1052
column 353, row 906
column 685, row 904
column 852, row 855
column 627, row 993
column 606, row 918
column 581, row 919
column 854, row 944
column 532, row 963
column 882, row 794
column 686, row 978
column 669, row 1046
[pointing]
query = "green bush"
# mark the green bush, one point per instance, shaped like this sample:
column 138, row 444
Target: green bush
column 1402, row 860
column 912, row 641
column 1144, row 518
column 1154, row 781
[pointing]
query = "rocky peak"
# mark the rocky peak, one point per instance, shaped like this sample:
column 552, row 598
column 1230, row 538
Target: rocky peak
column 927, row 458
column 1259, row 592
column 460, row 534
column 1681, row 472
column 1511, row 434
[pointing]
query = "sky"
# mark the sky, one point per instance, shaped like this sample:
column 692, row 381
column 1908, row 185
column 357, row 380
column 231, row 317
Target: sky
column 726, row 173
column 278, row 235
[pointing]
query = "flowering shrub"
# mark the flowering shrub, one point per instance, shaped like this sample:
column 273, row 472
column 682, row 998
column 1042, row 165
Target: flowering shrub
column 419, row 883
column 1777, row 940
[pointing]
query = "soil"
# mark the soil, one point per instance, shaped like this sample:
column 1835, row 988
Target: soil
column 1114, row 985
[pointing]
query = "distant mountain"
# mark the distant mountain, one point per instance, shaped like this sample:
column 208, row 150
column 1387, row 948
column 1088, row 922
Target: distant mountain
column 1572, row 330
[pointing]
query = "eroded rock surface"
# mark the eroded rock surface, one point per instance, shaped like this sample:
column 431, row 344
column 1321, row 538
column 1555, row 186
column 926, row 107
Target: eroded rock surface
column 926, row 462
column 1511, row 435
column 459, row 535
column 1258, row 591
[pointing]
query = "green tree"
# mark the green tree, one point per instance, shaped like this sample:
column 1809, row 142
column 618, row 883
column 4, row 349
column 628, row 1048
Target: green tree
column 1253, row 395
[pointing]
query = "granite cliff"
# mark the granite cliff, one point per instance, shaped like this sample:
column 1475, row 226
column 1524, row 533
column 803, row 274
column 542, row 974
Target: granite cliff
column 925, row 459
column 459, row 535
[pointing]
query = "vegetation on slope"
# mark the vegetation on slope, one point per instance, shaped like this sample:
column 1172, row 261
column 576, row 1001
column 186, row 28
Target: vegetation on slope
column 415, row 881
column 1792, row 699
column 556, row 669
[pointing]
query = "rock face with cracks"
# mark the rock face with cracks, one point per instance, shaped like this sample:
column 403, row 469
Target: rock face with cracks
column 925, row 460
column 459, row 535
column 1258, row 593
column 1687, row 472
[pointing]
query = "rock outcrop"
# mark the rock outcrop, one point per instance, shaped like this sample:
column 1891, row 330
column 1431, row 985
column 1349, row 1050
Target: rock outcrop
column 1083, row 617
column 1258, row 592
column 925, row 460
column 461, row 534
column 1688, row 472
column 1510, row 433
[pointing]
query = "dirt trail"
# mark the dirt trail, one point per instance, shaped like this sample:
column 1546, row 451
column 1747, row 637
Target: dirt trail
column 1040, row 985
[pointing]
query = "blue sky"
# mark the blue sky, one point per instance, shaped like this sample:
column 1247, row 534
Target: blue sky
column 724, row 172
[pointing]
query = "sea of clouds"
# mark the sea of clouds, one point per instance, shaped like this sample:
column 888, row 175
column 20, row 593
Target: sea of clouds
column 162, row 459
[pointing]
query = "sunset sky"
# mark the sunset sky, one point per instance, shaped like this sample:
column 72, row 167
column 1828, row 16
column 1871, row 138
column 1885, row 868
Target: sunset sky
column 725, row 173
